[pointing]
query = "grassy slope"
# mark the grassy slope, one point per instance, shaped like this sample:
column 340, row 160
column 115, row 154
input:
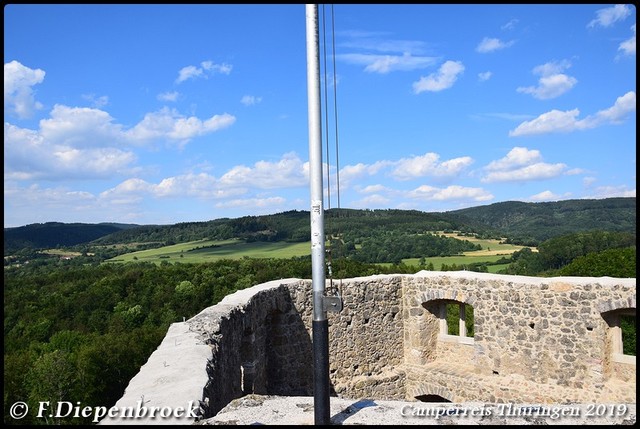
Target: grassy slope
column 209, row 250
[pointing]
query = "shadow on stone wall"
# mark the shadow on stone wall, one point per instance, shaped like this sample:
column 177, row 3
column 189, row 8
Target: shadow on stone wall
column 262, row 347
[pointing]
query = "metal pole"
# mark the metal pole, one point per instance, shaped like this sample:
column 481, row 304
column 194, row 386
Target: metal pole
column 320, row 324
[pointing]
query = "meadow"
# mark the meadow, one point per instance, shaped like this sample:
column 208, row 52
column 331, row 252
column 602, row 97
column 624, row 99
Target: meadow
column 212, row 250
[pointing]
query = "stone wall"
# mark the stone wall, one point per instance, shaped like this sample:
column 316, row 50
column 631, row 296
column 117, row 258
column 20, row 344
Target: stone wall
column 536, row 340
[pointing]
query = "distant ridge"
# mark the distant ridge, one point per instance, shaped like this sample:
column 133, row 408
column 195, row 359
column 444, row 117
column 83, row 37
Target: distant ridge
column 57, row 234
column 520, row 222
column 541, row 221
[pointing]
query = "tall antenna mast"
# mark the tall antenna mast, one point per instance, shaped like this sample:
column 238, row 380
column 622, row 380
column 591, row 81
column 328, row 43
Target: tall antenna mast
column 320, row 324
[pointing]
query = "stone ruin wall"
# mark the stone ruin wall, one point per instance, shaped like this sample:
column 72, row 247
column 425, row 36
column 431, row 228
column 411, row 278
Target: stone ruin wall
column 537, row 340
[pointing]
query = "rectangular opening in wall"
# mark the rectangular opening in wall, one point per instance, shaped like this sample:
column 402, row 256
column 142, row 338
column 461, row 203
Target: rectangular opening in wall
column 628, row 328
column 454, row 321
column 453, row 316
column 469, row 320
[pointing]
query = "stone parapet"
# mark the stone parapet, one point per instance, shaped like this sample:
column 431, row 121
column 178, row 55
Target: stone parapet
column 533, row 340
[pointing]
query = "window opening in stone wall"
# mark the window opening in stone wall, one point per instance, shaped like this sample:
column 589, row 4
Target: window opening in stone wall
column 459, row 319
column 622, row 333
column 628, row 334
column 456, row 321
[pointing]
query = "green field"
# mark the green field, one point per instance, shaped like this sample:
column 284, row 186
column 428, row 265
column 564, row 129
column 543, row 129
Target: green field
column 210, row 250
column 460, row 260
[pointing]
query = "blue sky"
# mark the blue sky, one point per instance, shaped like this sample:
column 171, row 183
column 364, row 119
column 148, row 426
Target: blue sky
column 160, row 114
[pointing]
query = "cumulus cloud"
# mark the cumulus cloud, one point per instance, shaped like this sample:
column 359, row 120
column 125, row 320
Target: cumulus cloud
column 489, row 44
column 205, row 69
column 18, row 91
column 429, row 165
column 29, row 155
column 516, row 158
column 80, row 127
column 443, row 79
column 549, row 196
column 628, row 47
column 453, row 192
column 85, row 143
column 520, row 165
column 350, row 173
column 552, row 82
column 608, row 16
column 170, row 125
column 289, row 171
column 557, row 121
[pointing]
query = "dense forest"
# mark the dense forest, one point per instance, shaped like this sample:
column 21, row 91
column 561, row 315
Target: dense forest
column 79, row 333
column 78, row 330
column 532, row 223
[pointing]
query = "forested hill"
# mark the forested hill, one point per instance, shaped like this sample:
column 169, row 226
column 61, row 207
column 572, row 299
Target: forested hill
column 56, row 234
column 537, row 222
column 522, row 223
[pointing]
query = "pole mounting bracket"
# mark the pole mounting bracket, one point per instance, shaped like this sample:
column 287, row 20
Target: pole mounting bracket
column 332, row 304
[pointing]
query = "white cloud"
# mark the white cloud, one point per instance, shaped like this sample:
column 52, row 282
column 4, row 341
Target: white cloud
column 628, row 47
column 552, row 82
column 492, row 44
column 378, row 42
column 18, row 92
column 444, row 78
column 29, row 155
column 288, row 172
column 371, row 189
column 170, row 125
column 428, row 165
column 201, row 185
column 538, row 171
column 353, row 172
column 521, row 164
column 383, row 64
column 510, row 25
column 613, row 192
column 251, row 203
column 206, row 68
column 96, row 101
column 484, row 76
column 370, row 201
column 85, row 143
column 80, row 127
column 610, row 15
column 558, row 121
column 517, row 157
column 454, row 192
column 169, row 96
column 549, row 196
column 250, row 100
